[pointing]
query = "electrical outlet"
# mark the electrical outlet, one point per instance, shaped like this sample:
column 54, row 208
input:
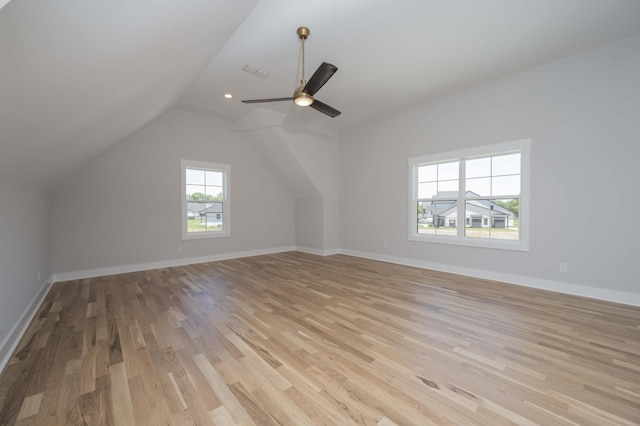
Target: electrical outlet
column 564, row 268
column 180, row 249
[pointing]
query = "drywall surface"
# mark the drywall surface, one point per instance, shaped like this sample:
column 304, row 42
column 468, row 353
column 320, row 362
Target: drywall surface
column 307, row 158
column 124, row 208
column 78, row 77
column 320, row 158
column 24, row 249
column 582, row 115
column 309, row 225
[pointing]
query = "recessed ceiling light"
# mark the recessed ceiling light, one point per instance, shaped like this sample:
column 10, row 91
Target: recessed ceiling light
column 228, row 95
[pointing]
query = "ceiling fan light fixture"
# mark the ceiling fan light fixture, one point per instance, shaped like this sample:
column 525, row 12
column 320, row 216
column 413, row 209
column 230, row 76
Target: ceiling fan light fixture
column 303, row 95
column 301, row 98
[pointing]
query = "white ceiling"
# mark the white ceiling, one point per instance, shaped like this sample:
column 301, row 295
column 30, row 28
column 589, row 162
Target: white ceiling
column 76, row 77
column 393, row 54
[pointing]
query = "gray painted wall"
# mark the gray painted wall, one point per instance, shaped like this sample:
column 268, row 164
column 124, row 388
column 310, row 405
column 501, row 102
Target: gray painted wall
column 583, row 115
column 320, row 157
column 307, row 158
column 24, row 249
column 124, row 208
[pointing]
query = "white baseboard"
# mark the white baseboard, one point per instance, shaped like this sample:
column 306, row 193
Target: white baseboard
column 318, row 252
column 521, row 280
column 123, row 269
column 20, row 328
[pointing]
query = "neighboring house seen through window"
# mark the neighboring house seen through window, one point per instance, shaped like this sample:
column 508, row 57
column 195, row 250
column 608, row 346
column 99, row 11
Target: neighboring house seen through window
column 205, row 199
column 486, row 187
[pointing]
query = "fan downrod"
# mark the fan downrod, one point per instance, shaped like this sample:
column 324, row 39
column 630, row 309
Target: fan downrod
column 304, row 94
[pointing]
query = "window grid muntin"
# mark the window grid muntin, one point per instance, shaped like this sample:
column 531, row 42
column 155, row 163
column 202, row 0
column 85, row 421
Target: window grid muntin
column 520, row 148
column 438, row 223
column 219, row 227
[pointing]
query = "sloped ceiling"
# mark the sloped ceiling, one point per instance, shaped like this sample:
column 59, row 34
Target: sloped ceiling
column 395, row 54
column 77, row 76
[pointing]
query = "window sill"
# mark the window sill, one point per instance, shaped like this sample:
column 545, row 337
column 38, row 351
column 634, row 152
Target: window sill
column 472, row 242
column 204, row 235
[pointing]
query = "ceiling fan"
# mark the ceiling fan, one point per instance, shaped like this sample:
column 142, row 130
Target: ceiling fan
column 303, row 95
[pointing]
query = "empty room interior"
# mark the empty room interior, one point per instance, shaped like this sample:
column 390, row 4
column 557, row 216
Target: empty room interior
column 262, row 212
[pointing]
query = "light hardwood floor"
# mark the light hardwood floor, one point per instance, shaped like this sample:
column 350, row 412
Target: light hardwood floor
column 298, row 339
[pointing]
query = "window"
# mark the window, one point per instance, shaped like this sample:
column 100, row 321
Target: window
column 487, row 186
column 205, row 200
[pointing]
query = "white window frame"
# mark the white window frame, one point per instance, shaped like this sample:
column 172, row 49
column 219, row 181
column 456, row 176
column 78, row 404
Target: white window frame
column 226, row 203
column 521, row 146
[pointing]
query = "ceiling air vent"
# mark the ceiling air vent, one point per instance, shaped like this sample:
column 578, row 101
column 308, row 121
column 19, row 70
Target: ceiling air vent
column 256, row 71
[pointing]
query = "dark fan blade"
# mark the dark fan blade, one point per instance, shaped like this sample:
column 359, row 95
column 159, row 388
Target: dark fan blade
column 325, row 109
column 257, row 101
column 319, row 78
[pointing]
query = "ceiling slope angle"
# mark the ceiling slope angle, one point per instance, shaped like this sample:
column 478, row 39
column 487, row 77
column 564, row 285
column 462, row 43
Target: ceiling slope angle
column 77, row 77
column 395, row 55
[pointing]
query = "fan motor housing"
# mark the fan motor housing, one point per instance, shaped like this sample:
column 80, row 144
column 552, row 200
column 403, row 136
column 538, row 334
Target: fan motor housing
column 301, row 98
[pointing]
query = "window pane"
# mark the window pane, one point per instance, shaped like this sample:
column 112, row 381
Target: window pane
column 506, row 165
column 215, row 222
column 427, row 173
column 214, row 178
column 510, row 206
column 477, row 214
column 496, row 219
column 437, row 218
column 195, row 208
column 448, row 189
column 202, row 217
column 505, row 219
column 448, row 171
column 194, row 177
column 195, row 192
column 444, row 216
column 213, row 216
column 427, row 190
column 479, row 186
column 214, row 193
column 425, row 219
column 479, row 167
column 447, row 228
column 505, row 185
column 206, row 207
column 195, row 219
column 482, row 209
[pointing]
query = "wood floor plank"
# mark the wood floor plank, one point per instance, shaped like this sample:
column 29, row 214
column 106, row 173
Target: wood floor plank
column 292, row 338
column 30, row 406
column 121, row 396
column 221, row 389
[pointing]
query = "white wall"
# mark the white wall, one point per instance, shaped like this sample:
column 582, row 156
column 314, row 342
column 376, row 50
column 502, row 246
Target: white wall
column 24, row 252
column 320, row 157
column 124, row 208
column 583, row 115
column 307, row 158
column 310, row 225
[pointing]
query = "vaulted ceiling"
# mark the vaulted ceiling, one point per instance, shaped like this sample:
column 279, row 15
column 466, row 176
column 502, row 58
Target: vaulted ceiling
column 77, row 77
